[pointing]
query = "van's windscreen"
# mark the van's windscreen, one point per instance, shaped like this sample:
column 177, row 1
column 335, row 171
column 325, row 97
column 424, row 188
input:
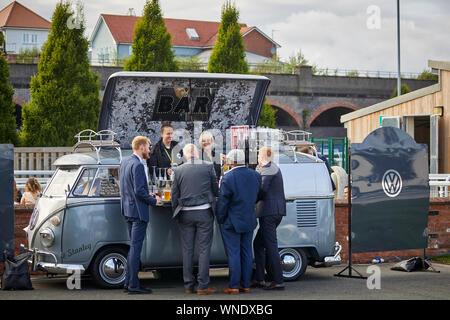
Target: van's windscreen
column 63, row 178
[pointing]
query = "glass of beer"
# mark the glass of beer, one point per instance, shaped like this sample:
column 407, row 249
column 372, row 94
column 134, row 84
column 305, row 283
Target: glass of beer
column 166, row 194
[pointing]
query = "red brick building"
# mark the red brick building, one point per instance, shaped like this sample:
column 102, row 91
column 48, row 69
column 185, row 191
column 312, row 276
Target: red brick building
column 113, row 35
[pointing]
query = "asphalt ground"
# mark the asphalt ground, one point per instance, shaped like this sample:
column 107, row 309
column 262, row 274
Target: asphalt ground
column 315, row 284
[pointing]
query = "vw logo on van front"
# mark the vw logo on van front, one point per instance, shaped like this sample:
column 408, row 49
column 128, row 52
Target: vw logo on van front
column 392, row 183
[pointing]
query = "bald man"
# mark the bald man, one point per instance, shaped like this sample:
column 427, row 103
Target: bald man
column 194, row 192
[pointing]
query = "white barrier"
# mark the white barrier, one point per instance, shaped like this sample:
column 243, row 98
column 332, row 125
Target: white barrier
column 42, row 176
column 440, row 182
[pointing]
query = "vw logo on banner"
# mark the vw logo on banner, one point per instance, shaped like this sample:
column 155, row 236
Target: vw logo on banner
column 392, row 183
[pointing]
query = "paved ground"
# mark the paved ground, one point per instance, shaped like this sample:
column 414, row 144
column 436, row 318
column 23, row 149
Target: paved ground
column 316, row 284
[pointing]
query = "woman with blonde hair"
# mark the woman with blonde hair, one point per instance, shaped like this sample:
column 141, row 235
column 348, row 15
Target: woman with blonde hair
column 208, row 152
column 32, row 190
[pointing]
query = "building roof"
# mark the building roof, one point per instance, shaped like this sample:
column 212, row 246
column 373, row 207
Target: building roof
column 122, row 30
column 436, row 65
column 15, row 15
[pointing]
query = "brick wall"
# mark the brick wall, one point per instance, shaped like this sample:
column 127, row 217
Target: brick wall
column 438, row 227
column 255, row 42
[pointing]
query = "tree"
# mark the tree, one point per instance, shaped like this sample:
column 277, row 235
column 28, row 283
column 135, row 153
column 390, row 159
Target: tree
column 191, row 63
column 267, row 116
column 64, row 93
column 8, row 132
column 152, row 48
column 228, row 55
column 404, row 89
column 427, row 75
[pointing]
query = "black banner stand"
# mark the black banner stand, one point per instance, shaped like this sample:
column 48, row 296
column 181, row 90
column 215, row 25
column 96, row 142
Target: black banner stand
column 349, row 196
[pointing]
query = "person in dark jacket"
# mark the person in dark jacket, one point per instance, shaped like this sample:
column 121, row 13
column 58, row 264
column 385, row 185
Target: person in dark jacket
column 236, row 216
column 134, row 202
column 270, row 209
column 162, row 155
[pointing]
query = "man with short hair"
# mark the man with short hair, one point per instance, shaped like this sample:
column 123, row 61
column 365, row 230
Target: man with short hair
column 162, row 155
column 236, row 214
column 270, row 209
column 134, row 201
column 194, row 192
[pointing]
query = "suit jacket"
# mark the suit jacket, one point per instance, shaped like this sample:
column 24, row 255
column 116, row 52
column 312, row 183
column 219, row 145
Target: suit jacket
column 134, row 193
column 271, row 199
column 237, row 197
column 194, row 184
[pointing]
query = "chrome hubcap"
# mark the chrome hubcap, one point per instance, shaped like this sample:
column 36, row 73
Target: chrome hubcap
column 291, row 262
column 112, row 268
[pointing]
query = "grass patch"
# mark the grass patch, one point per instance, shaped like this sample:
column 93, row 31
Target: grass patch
column 442, row 259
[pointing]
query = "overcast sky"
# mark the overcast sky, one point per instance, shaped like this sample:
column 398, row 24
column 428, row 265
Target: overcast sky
column 344, row 34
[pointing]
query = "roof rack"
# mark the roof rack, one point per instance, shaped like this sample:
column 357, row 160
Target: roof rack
column 297, row 138
column 96, row 141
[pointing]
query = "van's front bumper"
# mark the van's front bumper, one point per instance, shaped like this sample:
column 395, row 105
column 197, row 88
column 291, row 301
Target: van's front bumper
column 56, row 268
column 50, row 267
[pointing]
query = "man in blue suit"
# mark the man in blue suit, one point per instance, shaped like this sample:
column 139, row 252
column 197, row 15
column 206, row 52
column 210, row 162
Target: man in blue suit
column 236, row 214
column 134, row 201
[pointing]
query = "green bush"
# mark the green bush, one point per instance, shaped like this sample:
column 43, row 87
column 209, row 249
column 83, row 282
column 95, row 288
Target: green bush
column 8, row 132
column 228, row 55
column 152, row 48
column 64, row 93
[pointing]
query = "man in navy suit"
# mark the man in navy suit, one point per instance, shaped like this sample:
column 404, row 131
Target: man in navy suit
column 134, row 201
column 270, row 209
column 236, row 214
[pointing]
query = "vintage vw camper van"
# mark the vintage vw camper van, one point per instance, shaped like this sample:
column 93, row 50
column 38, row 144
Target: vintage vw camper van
column 77, row 223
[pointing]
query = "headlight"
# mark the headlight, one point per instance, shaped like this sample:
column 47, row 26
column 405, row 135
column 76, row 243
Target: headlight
column 47, row 237
column 34, row 218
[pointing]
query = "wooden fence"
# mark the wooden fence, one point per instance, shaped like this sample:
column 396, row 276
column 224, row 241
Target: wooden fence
column 38, row 158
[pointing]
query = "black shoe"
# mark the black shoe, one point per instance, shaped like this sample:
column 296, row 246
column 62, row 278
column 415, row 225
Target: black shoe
column 139, row 291
column 274, row 286
column 257, row 284
column 125, row 289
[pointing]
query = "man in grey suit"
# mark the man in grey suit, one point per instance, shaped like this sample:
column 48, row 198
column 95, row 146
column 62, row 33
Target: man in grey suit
column 194, row 192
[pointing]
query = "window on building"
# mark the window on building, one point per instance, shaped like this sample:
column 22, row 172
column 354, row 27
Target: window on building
column 34, row 38
column 26, row 38
column 192, row 34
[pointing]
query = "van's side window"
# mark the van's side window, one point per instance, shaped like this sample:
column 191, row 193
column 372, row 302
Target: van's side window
column 85, row 183
column 106, row 183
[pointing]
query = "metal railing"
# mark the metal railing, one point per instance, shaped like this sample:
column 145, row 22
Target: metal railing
column 42, row 176
column 439, row 184
column 281, row 68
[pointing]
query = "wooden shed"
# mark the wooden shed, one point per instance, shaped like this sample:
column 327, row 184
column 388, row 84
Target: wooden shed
column 423, row 113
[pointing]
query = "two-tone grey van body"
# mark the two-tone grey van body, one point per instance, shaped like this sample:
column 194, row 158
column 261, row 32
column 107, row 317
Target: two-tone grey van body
column 77, row 224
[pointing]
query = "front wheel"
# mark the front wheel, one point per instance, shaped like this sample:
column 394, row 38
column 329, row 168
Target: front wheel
column 293, row 263
column 109, row 268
